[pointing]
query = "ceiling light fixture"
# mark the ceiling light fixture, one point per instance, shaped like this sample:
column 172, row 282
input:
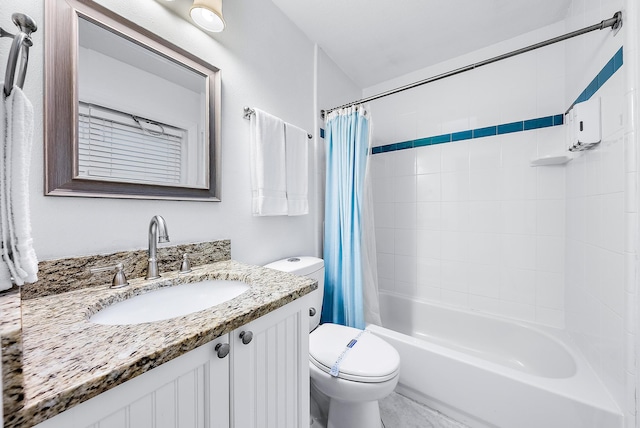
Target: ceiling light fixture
column 208, row 14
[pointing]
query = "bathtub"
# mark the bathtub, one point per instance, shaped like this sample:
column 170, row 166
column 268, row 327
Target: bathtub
column 486, row 371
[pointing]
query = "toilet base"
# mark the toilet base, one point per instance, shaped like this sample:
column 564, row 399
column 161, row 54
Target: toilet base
column 349, row 414
column 319, row 408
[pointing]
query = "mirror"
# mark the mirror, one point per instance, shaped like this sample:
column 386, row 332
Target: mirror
column 127, row 114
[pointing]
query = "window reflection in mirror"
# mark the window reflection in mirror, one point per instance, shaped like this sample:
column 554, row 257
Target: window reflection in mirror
column 140, row 115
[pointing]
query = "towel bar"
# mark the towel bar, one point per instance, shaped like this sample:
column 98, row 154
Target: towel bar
column 248, row 111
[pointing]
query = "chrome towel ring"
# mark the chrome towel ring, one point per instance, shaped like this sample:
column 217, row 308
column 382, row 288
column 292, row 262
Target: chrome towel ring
column 20, row 48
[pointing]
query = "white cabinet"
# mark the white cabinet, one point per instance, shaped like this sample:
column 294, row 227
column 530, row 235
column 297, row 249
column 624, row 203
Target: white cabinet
column 270, row 372
column 189, row 391
column 263, row 383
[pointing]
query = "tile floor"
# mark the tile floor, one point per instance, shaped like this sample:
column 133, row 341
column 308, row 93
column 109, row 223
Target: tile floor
column 399, row 411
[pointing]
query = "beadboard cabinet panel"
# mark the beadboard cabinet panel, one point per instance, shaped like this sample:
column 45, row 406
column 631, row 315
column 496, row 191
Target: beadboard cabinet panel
column 270, row 374
column 191, row 391
column 140, row 411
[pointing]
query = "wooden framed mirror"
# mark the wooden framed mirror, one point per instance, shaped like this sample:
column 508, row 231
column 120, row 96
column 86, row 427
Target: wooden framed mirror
column 127, row 114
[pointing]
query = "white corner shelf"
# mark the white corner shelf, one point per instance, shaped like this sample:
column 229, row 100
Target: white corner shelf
column 550, row 160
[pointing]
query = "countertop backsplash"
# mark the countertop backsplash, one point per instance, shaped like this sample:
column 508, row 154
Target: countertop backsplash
column 63, row 275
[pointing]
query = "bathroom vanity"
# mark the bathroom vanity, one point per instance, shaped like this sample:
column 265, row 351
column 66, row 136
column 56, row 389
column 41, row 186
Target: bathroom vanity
column 253, row 384
column 241, row 363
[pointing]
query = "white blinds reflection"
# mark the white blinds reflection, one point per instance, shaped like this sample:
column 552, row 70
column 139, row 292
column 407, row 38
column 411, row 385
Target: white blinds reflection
column 112, row 146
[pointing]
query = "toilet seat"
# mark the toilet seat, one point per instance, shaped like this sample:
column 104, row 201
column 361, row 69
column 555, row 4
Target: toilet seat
column 369, row 360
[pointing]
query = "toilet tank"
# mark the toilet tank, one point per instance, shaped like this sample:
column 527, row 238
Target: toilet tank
column 310, row 267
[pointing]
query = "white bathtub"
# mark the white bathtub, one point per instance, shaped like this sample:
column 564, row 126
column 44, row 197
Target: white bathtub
column 486, row 371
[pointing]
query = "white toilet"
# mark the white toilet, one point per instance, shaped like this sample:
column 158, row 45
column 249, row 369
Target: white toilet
column 366, row 367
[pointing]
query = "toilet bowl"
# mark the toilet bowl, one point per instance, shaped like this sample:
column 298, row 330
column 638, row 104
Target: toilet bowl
column 352, row 367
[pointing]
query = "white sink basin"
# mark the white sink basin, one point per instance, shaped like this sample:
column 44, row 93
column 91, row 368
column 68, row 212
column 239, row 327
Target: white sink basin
column 169, row 302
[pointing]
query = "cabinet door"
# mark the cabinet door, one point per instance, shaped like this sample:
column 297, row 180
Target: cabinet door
column 270, row 373
column 191, row 391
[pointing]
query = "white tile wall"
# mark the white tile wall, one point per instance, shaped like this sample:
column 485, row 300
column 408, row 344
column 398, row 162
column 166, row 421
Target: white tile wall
column 487, row 229
column 554, row 245
column 479, row 206
column 472, row 223
column 475, row 237
column 598, row 219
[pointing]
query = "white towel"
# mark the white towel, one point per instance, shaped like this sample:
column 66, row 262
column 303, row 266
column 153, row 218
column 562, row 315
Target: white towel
column 297, row 154
column 16, row 138
column 268, row 165
column 5, row 276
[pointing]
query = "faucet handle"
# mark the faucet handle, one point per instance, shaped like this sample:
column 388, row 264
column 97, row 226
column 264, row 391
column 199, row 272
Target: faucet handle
column 185, row 266
column 119, row 279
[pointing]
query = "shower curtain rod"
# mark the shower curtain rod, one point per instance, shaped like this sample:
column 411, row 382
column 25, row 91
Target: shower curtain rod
column 615, row 23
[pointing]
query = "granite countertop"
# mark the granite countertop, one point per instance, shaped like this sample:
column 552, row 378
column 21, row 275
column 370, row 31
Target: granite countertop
column 67, row 360
column 11, row 347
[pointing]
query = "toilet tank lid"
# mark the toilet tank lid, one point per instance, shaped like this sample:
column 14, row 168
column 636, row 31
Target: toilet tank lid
column 298, row 265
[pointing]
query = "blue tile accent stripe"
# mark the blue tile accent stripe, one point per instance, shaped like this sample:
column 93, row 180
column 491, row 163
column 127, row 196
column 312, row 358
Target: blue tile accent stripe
column 464, row 135
column 404, row 145
column 423, row 142
column 484, row 132
column 558, row 119
column 607, row 71
column 506, row 128
column 541, row 122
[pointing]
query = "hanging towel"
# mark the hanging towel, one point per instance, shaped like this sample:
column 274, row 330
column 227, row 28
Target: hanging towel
column 16, row 137
column 268, row 165
column 297, row 170
column 5, row 274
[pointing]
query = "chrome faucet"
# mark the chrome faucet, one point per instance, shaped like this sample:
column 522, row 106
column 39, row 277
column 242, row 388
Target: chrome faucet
column 157, row 233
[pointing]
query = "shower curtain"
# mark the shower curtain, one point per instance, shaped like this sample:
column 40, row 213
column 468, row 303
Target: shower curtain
column 351, row 283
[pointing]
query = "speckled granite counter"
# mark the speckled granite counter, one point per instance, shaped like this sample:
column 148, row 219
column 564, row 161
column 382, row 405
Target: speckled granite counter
column 11, row 342
column 67, row 359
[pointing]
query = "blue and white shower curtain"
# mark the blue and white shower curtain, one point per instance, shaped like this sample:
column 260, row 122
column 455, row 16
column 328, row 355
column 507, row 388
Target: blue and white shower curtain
column 350, row 296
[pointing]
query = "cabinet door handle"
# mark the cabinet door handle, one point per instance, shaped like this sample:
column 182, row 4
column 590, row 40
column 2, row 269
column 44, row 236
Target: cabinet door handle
column 312, row 311
column 246, row 337
column 222, row 349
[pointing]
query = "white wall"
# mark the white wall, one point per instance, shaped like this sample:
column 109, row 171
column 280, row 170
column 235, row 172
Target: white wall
column 334, row 87
column 266, row 62
column 470, row 223
column 601, row 245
